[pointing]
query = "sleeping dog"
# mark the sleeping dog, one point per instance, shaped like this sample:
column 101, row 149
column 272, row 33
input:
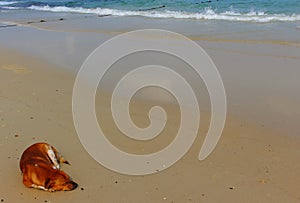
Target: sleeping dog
column 40, row 165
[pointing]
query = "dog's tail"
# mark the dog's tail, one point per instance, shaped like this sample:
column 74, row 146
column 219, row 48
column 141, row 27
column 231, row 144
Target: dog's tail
column 59, row 157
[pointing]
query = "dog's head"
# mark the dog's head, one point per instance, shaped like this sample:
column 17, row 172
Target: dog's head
column 60, row 181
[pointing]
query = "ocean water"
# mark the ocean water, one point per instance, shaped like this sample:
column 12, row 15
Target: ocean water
column 231, row 10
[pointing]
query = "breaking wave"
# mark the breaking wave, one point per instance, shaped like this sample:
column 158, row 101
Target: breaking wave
column 207, row 14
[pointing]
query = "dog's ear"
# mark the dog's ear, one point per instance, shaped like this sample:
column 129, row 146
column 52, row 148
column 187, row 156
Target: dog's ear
column 48, row 183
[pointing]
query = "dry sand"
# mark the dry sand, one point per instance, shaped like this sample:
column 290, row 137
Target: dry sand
column 251, row 163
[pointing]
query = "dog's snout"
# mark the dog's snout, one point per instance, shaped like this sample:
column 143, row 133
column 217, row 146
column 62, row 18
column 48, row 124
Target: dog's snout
column 74, row 185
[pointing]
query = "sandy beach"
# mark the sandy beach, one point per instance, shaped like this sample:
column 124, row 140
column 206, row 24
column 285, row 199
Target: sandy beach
column 256, row 159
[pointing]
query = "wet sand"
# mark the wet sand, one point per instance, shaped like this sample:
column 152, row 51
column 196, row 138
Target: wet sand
column 256, row 159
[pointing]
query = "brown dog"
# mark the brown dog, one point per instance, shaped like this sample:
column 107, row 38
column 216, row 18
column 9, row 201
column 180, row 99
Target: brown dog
column 40, row 165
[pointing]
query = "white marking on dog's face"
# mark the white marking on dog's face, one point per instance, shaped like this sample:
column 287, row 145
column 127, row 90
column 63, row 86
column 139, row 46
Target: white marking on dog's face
column 53, row 158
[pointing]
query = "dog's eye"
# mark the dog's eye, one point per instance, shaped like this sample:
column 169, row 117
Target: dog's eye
column 48, row 183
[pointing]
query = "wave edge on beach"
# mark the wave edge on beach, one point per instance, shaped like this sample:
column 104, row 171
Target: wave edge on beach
column 208, row 14
column 257, row 11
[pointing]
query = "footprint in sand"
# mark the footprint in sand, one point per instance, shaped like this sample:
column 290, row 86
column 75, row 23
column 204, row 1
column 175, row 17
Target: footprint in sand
column 18, row 69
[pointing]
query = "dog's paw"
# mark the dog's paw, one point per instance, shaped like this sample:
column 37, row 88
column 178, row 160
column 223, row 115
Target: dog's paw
column 51, row 190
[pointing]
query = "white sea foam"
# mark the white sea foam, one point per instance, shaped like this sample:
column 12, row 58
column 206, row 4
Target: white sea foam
column 208, row 14
column 11, row 8
column 5, row 3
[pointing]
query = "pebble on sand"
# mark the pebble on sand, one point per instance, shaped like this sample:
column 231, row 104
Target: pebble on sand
column 262, row 181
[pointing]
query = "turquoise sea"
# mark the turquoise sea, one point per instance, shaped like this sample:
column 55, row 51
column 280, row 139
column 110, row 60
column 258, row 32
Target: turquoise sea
column 229, row 10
